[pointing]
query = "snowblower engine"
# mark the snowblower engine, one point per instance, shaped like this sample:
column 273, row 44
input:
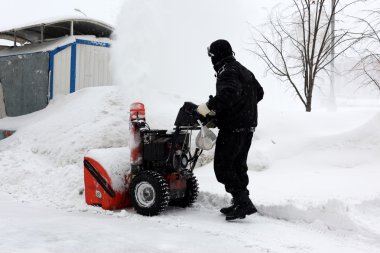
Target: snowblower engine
column 162, row 163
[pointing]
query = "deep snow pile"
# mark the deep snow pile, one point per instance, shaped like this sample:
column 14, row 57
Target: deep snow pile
column 323, row 169
column 43, row 160
column 310, row 168
column 308, row 176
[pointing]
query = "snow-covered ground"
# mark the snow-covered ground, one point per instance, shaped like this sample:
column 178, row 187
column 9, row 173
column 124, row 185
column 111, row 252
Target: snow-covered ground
column 314, row 177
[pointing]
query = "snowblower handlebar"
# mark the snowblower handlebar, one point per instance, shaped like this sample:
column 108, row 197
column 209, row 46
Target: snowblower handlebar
column 188, row 117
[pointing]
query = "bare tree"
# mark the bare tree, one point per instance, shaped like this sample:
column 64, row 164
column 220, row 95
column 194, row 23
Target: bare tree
column 300, row 43
column 369, row 51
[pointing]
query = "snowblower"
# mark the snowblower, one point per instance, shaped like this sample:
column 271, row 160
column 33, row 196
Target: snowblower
column 160, row 170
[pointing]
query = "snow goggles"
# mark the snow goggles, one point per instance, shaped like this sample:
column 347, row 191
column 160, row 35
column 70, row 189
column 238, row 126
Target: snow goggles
column 209, row 52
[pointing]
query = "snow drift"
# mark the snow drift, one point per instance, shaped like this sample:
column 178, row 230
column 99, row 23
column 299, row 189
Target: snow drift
column 319, row 168
column 326, row 177
column 43, row 160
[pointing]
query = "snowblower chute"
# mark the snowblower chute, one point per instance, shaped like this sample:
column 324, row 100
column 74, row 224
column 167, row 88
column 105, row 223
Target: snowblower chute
column 160, row 168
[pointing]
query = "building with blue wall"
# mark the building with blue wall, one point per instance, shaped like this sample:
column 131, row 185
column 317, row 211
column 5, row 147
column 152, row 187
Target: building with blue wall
column 53, row 58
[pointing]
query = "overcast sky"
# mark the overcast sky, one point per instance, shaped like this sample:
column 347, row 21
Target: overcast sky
column 15, row 13
column 20, row 12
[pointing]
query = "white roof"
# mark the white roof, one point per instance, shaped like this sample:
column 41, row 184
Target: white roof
column 57, row 27
column 53, row 20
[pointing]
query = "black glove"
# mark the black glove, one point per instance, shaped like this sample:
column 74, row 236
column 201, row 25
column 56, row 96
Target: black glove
column 211, row 122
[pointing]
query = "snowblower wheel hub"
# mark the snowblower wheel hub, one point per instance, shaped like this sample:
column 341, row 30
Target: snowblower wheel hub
column 145, row 194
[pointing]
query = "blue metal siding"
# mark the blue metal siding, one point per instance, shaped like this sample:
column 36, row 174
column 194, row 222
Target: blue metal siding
column 51, row 72
column 93, row 43
column 73, row 67
column 73, row 61
column 51, row 65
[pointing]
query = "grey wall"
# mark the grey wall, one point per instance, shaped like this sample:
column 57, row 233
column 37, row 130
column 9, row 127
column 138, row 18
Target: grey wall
column 25, row 80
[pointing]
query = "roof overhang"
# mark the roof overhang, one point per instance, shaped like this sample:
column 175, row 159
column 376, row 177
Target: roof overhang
column 53, row 29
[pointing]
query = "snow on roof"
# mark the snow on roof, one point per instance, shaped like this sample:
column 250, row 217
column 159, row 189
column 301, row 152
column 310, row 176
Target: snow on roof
column 48, row 45
column 53, row 20
column 57, row 27
column 33, row 48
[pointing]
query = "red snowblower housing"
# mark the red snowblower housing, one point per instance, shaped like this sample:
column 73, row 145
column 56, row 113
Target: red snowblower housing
column 156, row 170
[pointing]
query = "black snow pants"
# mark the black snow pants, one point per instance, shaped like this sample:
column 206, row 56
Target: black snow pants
column 230, row 161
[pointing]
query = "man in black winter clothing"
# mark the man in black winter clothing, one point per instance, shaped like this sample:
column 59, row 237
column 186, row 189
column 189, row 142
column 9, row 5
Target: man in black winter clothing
column 235, row 106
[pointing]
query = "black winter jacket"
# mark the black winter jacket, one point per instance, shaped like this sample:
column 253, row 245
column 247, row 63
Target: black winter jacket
column 237, row 95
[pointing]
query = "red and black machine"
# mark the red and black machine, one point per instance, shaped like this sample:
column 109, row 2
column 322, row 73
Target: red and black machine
column 160, row 172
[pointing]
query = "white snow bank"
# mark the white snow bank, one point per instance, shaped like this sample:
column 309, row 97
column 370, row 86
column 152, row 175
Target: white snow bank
column 335, row 215
column 283, row 134
column 43, row 160
column 367, row 136
column 68, row 127
column 301, row 181
column 316, row 165
column 320, row 169
column 38, row 229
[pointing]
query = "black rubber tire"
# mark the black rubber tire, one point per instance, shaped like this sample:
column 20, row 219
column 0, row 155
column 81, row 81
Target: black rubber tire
column 157, row 197
column 190, row 195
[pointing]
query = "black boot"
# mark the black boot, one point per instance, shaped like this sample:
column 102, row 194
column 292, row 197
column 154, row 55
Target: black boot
column 227, row 210
column 244, row 206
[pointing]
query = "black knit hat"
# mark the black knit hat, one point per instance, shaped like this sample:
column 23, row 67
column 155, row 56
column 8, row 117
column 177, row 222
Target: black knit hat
column 219, row 50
